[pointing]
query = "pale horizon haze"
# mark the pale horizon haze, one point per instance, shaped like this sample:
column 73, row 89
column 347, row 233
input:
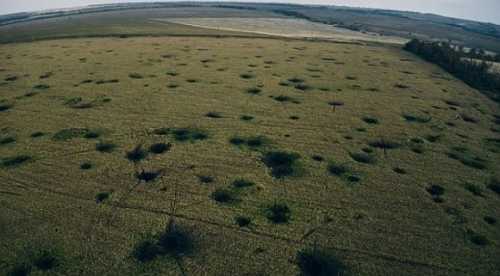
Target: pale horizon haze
column 479, row 10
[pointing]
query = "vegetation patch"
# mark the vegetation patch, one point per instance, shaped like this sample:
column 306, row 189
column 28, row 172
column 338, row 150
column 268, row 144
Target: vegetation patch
column 205, row 179
column 214, row 115
column 105, row 147
column 247, row 76
column 15, row 161
column 37, row 134
column 494, row 185
column 7, row 140
column 254, row 90
column 160, row 148
column 102, row 196
column 370, row 120
column 242, row 221
column 41, row 86
column 242, row 183
column 384, row 144
column 222, row 195
column 135, row 76
column 278, row 213
column 148, row 176
column 436, row 192
column 474, row 189
column 70, row 133
column 252, row 143
column 183, row 134
column 246, row 117
column 319, row 262
column 5, row 107
column 136, row 154
column 467, row 158
column 86, row 166
column 362, row 157
column 416, row 119
column 282, row 164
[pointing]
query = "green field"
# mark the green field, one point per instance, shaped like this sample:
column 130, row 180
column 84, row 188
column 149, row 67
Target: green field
column 386, row 161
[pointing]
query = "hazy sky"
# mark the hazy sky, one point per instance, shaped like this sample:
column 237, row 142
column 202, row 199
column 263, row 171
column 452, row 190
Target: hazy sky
column 482, row 10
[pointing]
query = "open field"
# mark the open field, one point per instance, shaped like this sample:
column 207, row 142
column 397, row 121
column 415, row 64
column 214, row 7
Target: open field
column 297, row 28
column 393, row 168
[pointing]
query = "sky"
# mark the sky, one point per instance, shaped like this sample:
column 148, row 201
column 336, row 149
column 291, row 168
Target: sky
column 480, row 10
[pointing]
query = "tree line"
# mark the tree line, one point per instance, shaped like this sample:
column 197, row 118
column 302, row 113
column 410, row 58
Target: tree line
column 469, row 66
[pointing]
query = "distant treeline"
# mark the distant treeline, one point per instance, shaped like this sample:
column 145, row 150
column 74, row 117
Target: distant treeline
column 476, row 73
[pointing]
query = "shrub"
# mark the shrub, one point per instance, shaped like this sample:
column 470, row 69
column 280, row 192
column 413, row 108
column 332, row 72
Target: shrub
column 336, row 103
column 45, row 260
column 295, row 80
column 205, row 179
column 5, row 107
column 86, row 166
column 469, row 119
column 148, row 176
column 222, row 196
column 302, row 86
column 214, row 115
column 92, row 135
column 15, row 161
column 399, row 170
column 102, row 196
column 416, row 119
column 22, row 269
column 242, row 183
column 254, row 90
column 494, row 185
column 474, row 189
column 41, row 86
column 477, row 239
column 105, row 147
column 490, row 220
column 37, row 134
column 146, row 250
column 337, row 169
column 237, row 141
column 246, row 76
column 246, row 118
column 7, row 140
column 135, row 76
column 383, row 144
column 319, row 262
column 282, row 98
column 362, row 158
column 242, row 221
column 160, row 148
column 70, row 133
column 187, row 134
column 318, row 158
column 281, row 163
column 370, row 120
column 278, row 213
column 175, row 241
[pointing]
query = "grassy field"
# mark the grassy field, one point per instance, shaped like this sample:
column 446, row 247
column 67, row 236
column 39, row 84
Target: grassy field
column 258, row 148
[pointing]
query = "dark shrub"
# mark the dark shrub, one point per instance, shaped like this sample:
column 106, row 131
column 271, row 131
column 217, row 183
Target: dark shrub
column 490, row 220
column 45, row 260
column 41, row 86
column 362, row 158
column 295, row 80
column 222, row 196
column 246, row 76
column 214, row 115
column 282, row 98
column 281, row 163
column 474, row 189
column 319, row 262
column 237, row 141
column 337, row 169
column 146, row 251
column 148, row 176
column 242, row 221
column 22, row 269
column 246, row 118
column 435, row 190
column 70, row 133
column 175, row 241
column 102, row 196
column 416, row 119
column 254, row 90
column 5, row 107
column 135, row 76
column 370, row 120
column 302, row 86
column 86, row 166
column 242, row 183
column 477, row 239
column 469, row 119
column 160, row 148
column 92, row 135
column 105, row 147
column 37, row 134
column 205, row 179
column 7, row 140
column 399, row 170
column 318, row 158
column 278, row 213
column 494, row 185
column 15, row 161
